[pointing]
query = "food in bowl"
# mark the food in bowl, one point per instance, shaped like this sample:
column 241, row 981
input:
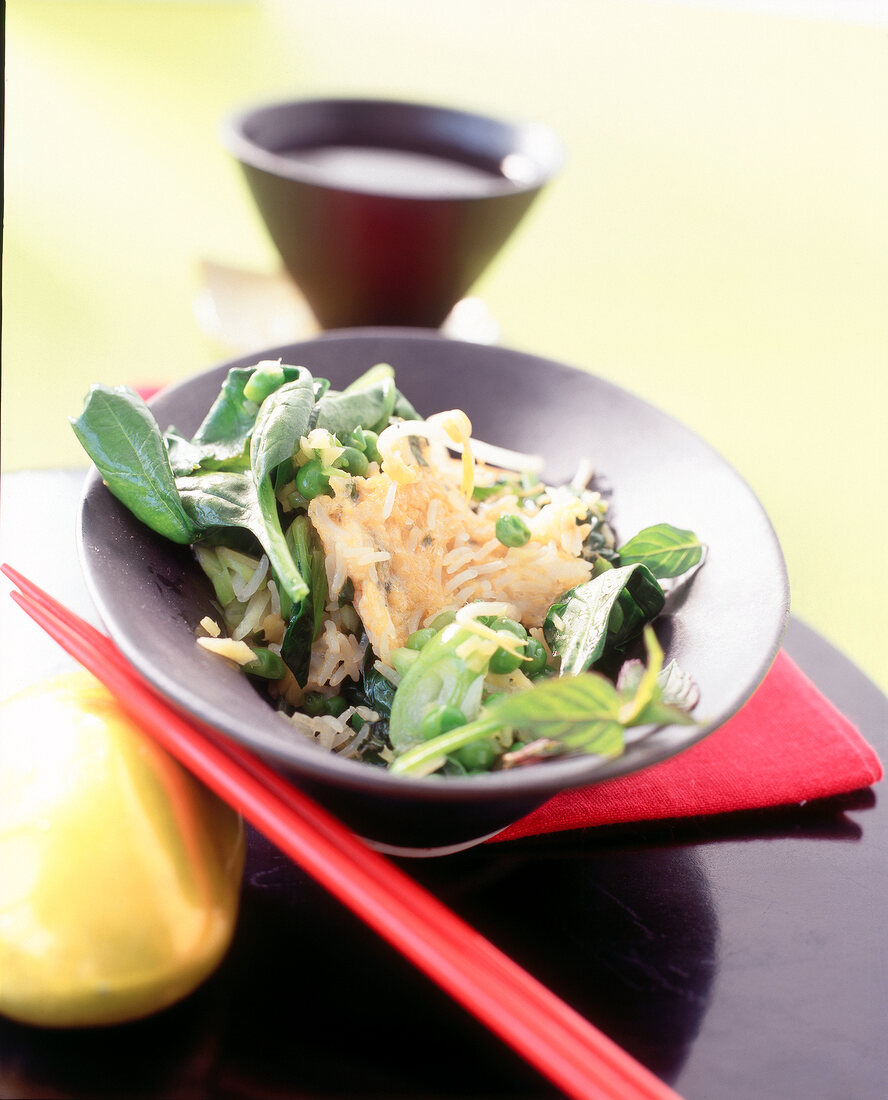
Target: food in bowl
column 407, row 595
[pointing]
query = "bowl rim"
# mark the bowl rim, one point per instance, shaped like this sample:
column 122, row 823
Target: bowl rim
column 249, row 152
column 540, row 781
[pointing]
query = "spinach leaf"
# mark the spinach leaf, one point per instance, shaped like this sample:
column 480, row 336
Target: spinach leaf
column 379, row 371
column 296, row 646
column 228, row 425
column 225, row 498
column 310, row 561
column 245, row 498
column 404, row 409
column 119, row 433
column 184, row 456
column 605, row 613
column 222, row 441
column 370, row 407
column 667, row 551
column 375, row 691
column 600, row 541
column 282, row 421
column 187, row 457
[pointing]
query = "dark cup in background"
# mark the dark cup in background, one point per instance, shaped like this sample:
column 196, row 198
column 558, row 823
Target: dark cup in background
column 387, row 212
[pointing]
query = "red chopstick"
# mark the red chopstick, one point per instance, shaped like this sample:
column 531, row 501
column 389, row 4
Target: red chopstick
column 546, row 1032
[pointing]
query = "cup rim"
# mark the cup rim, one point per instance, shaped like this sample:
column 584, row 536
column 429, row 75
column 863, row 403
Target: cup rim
column 536, row 141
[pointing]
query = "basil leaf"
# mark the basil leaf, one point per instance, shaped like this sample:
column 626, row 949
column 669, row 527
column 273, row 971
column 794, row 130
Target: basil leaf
column 678, row 688
column 667, row 551
column 580, row 712
column 119, row 433
column 605, row 613
column 658, row 713
column 655, row 695
column 584, row 713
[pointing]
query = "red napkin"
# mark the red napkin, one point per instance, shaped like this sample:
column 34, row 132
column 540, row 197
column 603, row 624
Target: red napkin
column 787, row 745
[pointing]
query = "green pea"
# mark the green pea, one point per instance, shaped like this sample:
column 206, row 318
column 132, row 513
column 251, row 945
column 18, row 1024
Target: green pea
column 511, row 530
column 503, row 662
column 267, row 664
column 512, row 625
column 336, row 705
column 312, row 481
column 534, row 658
column 264, row 380
column 314, row 703
column 354, row 461
column 476, row 756
column 440, row 720
column 420, row 637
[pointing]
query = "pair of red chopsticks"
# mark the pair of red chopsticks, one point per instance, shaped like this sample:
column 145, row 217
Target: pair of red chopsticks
column 540, row 1027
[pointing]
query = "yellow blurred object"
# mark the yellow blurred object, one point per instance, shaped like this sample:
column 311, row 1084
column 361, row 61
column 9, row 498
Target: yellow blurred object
column 119, row 873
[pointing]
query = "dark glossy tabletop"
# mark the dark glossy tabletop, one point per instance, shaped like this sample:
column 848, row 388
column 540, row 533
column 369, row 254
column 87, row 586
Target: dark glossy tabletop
column 740, row 957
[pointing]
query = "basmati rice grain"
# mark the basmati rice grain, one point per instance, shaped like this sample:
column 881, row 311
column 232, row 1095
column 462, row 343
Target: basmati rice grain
column 460, row 579
column 389, row 500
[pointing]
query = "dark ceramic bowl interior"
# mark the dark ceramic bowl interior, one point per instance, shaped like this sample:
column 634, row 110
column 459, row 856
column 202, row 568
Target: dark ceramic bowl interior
column 386, row 212
column 725, row 629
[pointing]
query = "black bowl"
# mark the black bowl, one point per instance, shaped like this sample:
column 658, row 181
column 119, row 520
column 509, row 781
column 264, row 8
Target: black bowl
column 725, row 630
column 385, row 212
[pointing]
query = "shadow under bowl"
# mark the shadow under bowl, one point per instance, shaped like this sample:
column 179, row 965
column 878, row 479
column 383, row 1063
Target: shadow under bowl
column 386, row 212
column 725, row 631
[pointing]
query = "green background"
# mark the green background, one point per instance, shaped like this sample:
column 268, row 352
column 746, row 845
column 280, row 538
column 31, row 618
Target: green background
column 717, row 241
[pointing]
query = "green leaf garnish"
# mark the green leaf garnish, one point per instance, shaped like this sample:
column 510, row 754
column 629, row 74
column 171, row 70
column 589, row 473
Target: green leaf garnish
column 604, row 613
column 119, row 433
column 667, row 551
